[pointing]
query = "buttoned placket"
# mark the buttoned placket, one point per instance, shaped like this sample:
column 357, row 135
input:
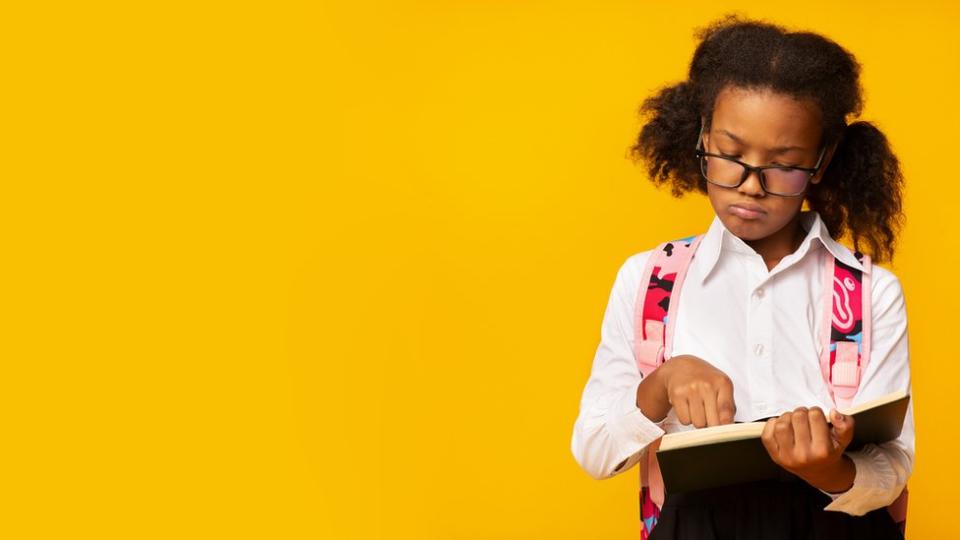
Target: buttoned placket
column 760, row 335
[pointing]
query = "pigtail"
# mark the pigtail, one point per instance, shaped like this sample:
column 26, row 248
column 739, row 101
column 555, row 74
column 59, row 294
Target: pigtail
column 667, row 140
column 861, row 190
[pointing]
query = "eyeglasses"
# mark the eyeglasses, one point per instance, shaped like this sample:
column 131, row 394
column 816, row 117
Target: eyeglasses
column 781, row 180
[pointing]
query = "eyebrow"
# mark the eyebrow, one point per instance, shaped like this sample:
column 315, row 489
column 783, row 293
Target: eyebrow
column 777, row 150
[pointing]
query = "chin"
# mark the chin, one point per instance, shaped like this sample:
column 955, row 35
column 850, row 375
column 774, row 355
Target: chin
column 747, row 229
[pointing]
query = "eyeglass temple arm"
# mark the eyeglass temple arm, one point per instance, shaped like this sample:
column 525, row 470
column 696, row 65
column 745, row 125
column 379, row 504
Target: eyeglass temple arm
column 700, row 136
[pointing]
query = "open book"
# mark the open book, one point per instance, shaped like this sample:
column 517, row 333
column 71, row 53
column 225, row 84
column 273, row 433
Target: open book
column 733, row 453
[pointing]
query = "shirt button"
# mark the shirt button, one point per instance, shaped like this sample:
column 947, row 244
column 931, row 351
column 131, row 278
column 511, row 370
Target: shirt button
column 759, row 293
column 758, row 349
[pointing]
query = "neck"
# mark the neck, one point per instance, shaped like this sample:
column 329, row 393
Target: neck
column 781, row 243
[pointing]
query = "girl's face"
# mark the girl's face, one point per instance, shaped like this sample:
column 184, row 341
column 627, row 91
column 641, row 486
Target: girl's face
column 752, row 125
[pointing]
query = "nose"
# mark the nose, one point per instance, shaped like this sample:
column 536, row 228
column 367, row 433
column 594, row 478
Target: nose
column 751, row 185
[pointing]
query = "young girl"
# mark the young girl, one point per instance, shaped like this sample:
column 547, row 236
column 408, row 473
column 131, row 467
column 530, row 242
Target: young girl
column 745, row 344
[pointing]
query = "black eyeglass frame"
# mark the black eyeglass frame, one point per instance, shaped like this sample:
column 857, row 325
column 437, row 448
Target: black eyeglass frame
column 747, row 169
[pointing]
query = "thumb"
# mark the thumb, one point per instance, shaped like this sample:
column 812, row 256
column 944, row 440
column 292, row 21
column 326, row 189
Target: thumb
column 842, row 428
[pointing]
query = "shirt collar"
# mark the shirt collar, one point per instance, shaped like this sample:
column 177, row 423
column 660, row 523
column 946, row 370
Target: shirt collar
column 718, row 239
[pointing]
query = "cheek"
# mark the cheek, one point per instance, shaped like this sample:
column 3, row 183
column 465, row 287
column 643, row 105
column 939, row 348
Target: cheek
column 783, row 210
column 716, row 195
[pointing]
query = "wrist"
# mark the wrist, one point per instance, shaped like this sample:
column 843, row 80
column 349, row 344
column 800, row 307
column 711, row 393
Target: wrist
column 652, row 397
column 837, row 478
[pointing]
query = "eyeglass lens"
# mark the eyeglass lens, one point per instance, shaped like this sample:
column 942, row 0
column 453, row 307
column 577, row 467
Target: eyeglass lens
column 728, row 173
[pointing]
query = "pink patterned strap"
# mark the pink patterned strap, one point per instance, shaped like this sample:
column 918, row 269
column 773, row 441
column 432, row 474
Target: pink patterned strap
column 649, row 513
column 687, row 252
column 664, row 272
column 867, row 308
column 657, row 491
column 655, row 316
column 648, row 334
column 845, row 334
column 649, row 350
column 825, row 320
column 846, row 337
column 846, row 369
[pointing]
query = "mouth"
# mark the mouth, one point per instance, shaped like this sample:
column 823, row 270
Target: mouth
column 747, row 211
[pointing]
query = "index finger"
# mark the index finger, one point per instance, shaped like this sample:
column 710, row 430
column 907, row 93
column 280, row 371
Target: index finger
column 710, row 407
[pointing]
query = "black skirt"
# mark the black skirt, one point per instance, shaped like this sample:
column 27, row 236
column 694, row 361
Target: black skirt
column 768, row 510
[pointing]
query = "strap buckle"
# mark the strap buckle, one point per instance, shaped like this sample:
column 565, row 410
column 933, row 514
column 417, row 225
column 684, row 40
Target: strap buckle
column 650, row 350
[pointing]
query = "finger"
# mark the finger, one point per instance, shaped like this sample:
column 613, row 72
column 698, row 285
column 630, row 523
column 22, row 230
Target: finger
column 710, row 407
column 726, row 408
column 821, row 443
column 783, row 432
column 769, row 439
column 683, row 411
column 697, row 415
column 801, row 428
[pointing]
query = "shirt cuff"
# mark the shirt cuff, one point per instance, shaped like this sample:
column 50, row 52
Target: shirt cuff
column 872, row 484
column 834, row 496
column 631, row 430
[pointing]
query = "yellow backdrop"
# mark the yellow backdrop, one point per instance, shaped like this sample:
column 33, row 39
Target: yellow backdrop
column 282, row 270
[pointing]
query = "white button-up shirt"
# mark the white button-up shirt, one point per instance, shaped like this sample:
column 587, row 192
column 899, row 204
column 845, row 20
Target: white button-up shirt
column 760, row 327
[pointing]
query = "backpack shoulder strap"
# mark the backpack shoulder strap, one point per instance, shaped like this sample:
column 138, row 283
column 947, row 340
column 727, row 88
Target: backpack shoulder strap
column 656, row 305
column 846, row 336
column 655, row 315
column 845, row 331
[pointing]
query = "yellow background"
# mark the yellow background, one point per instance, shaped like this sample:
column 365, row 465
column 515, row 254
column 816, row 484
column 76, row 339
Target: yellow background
column 337, row 270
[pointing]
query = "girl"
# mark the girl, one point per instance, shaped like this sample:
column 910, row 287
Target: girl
column 745, row 344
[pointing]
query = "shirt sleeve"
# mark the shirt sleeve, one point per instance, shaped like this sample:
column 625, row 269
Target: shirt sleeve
column 611, row 433
column 882, row 470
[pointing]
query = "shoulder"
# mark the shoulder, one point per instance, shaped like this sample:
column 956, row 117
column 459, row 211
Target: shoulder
column 629, row 274
column 631, row 269
column 885, row 289
column 883, row 277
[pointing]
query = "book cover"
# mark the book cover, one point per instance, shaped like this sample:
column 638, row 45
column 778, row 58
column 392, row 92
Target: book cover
column 733, row 453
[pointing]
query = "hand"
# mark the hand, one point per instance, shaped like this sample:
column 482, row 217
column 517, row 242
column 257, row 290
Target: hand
column 699, row 393
column 802, row 443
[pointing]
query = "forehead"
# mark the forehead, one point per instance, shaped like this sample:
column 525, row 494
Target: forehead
column 766, row 119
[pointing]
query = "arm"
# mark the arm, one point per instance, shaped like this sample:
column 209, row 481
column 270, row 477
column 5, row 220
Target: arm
column 621, row 411
column 611, row 432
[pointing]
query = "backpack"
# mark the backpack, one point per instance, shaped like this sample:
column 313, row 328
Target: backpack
column 845, row 336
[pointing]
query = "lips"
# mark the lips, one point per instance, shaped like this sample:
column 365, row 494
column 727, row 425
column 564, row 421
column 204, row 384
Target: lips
column 747, row 211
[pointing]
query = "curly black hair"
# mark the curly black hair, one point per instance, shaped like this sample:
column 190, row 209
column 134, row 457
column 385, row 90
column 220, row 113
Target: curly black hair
column 861, row 188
